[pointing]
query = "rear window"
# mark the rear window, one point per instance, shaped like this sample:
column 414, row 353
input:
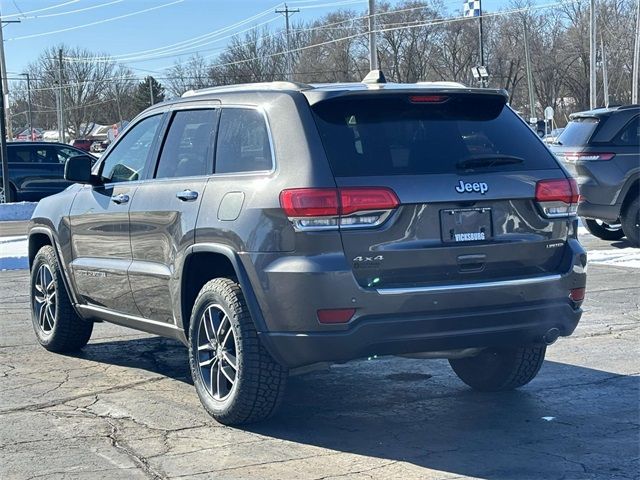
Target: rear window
column 578, row 132
column 392, row 136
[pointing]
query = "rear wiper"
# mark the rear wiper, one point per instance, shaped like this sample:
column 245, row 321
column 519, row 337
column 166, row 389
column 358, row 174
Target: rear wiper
column 488, row 160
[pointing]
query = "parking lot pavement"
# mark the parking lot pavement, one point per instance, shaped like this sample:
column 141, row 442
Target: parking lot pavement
column 125, row 408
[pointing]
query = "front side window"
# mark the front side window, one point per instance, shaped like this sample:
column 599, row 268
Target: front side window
column 45, row 155
column 127, row 160
column 65, row 153
column 188, row 148
column 243, row 142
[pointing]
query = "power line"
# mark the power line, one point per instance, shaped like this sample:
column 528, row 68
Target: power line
column 69, row 12
column 98, row 22
column 182, row 44
column 40, row 9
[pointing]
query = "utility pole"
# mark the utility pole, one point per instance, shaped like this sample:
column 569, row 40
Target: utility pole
column 527, row 57
column 373, row 50
column 287, row 12
column 151, row 90
column 481, row 39
column 636, row 59
column 30, row 108
column 605, row 75
column 61, row 129
column 3, row 151
column 593, row 99
column 3, row 73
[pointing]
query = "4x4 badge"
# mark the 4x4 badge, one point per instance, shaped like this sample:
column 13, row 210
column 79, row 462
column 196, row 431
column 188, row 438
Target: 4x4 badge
column 472, row 187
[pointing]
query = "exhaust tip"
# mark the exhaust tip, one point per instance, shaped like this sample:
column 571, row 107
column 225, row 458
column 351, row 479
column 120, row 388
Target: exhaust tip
column 551, row 336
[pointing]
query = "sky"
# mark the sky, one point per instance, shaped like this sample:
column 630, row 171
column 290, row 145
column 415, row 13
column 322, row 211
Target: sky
column 123, row 27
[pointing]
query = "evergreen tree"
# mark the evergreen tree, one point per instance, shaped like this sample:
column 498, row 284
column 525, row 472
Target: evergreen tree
column 142, row 96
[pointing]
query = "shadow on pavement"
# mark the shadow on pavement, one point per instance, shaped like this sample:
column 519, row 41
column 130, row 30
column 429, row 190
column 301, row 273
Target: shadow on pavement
column 570, row 422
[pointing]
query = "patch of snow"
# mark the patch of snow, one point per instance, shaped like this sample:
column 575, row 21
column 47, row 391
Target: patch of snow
column 17, row 211
column 617, row 257
column 14, row 253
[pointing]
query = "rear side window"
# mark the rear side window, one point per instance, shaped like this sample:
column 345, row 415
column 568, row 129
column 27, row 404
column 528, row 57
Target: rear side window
column 630, row 135
column 188, row 148
column 395, row 137
column 243, row 142
column 578, row 132
column 19, row 155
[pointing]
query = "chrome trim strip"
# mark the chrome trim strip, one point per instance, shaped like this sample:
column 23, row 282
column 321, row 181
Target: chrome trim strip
column 469, row 286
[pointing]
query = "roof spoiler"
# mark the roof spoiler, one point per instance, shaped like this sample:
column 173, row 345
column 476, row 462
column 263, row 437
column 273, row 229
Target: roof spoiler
column 374, row 77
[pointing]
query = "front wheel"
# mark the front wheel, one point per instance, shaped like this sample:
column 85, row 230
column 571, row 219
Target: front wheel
column 235, row 377
column 603, row 230
column 497, row 369
column 57, row 326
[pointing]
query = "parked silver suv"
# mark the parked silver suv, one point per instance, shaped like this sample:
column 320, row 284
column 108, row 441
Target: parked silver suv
column 274, row 226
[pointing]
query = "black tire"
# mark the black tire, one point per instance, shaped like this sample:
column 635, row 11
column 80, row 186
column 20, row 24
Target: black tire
column 603, row 230
column 631, row 222
column 500, row 369
column 258, row 382
column 57, row 326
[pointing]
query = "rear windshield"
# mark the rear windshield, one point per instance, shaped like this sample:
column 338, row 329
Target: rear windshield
column 391, row 136
column 578, row 132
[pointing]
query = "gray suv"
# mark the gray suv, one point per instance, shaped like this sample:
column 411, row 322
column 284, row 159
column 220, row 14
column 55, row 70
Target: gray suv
column 601, row 148
column 274, row 226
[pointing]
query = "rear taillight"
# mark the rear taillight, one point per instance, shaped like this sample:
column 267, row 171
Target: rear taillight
column 329, row 208
column 558, row 197
column 577, row 294
column 586, row 156
column 428, row 98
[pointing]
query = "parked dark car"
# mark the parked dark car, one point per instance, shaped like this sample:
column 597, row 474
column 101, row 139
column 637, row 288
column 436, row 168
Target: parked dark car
column 274, row 226
column 36, row 169
column 82, row 144
column 601, row 149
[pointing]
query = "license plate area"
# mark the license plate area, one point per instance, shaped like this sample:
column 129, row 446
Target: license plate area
column 466, row 225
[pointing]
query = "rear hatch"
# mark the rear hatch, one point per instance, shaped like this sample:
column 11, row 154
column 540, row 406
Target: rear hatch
column 465, row 171
column 573, row 144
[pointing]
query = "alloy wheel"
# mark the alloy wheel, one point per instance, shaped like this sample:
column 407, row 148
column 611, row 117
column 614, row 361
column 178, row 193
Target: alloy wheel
column 45, row 297
column 217, row 352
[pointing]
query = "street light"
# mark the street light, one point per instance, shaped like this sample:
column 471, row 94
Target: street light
column 480, row 73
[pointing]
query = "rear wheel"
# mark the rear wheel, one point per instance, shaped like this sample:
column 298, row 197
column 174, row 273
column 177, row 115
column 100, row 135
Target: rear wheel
column 499, row 369
column 631, row 222
column 235, row 377
column 603, row 230
column 57, row 326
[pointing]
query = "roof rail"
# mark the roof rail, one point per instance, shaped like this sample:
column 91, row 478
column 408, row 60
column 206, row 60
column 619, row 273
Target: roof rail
column 248, row 86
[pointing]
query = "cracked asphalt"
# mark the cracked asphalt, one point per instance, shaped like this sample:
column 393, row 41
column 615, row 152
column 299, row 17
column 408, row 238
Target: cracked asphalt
column 125, row 408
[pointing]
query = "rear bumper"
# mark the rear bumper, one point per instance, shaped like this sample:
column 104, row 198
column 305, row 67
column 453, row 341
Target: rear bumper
column 290, row 290
column 608, row 213
column 391, row 335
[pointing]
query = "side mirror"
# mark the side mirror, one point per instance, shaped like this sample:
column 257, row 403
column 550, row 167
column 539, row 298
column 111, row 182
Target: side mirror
column 78, row 169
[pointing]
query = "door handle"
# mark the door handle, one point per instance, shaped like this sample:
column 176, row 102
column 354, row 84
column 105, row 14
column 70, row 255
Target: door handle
column 120, row 198
column 187, row 195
